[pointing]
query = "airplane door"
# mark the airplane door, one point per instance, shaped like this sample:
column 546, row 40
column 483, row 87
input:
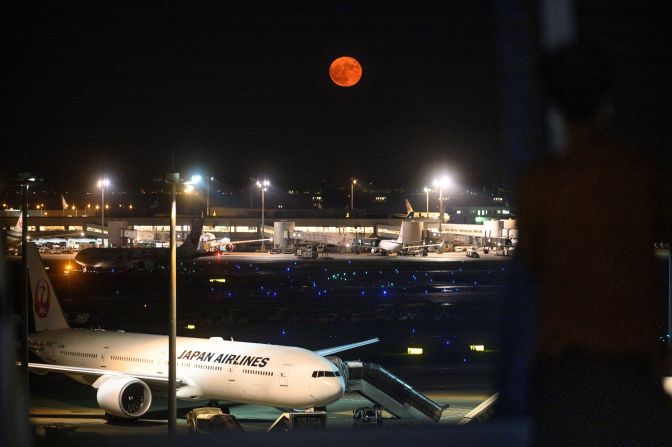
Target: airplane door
column 104, row 356
column 284, row 375
column 232, row 374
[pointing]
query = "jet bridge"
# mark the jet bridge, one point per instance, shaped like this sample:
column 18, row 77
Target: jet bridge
column 387, row 390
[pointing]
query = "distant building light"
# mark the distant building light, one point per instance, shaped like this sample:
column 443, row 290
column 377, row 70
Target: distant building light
column 477, row 348
column 458, row 212
column 414, row 351
column 191, row 326
column 381, row 198
column 221, row 280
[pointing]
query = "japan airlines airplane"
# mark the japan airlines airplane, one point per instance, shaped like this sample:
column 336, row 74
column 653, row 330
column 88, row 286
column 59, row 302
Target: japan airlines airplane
column 138, row 258
column 127, row 368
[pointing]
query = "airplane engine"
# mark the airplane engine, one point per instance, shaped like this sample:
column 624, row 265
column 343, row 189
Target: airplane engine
column 229, row 247
column 124, row 397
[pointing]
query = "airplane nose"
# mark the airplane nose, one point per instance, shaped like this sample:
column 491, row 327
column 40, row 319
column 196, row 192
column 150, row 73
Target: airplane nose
column 333, row 389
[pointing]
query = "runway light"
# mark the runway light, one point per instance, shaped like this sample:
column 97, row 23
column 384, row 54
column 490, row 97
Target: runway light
column 414, row 351
column 477, row 348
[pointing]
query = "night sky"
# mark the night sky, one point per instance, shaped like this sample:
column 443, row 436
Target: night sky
column 239, row 91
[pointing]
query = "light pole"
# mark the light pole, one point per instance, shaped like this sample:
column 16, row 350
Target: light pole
column 25, row 180
column 442, row 183
column 173, row 178
column 207, row 197
column 352, row 194
column 102, row 184
column 263, row 186
column 427, row 191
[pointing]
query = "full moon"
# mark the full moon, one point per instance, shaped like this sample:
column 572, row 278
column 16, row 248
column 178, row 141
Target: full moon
column 345, row 71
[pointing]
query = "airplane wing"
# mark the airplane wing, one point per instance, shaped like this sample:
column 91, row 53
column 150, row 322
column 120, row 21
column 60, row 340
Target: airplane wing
column 406, row 247
column 98, row 372
column 218, row 243
column 249, row 241
column 334, row 350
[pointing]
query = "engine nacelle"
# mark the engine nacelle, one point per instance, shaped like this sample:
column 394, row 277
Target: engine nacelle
column 124, row 397
column 229, row 247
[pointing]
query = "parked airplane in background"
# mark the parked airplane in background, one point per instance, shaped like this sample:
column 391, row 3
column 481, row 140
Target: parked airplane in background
column 14, row 233
column 126, row 368
column 141, row 258
column 228, row 245
column 389, row 246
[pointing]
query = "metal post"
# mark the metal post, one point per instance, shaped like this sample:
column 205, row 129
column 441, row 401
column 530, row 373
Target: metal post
column 207, row 199
column 172, row 320
column 669, row 302
column 263, row 245
column 102, row 213
column 26, row 293
column 352, row 196
column 440, row 209
column 427, row 193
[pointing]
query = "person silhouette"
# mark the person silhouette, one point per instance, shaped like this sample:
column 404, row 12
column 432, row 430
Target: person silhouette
column 588, row 220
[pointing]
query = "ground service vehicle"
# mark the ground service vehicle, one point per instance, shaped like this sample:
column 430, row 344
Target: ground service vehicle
column 210, row 419
column 472, row 253
column 287, row 422
column 367, row 416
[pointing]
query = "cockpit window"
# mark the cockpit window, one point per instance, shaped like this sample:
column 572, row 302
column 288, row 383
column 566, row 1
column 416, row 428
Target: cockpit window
column 326, row 374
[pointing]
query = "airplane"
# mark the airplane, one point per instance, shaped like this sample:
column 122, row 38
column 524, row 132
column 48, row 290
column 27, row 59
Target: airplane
column 389, row 246
column 141, row 258
column 14, row 234
column 128, row 369
column 229, row 245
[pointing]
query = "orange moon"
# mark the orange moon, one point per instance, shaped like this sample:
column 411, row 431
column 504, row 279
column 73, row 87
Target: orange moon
column 345, row 71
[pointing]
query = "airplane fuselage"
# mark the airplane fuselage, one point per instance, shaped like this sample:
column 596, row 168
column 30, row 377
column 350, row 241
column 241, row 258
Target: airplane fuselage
column 282, row 376
column 120, row 257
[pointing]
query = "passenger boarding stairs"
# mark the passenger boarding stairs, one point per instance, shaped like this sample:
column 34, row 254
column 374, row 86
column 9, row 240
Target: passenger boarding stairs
column 388, row 391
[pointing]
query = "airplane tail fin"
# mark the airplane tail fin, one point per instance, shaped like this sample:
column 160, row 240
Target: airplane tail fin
column 190, row 244
column 409, row 209
column 46, row 308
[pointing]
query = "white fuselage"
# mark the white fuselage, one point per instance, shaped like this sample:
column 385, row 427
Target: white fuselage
column 120, row 257
column 390, row 246
column 215, row 369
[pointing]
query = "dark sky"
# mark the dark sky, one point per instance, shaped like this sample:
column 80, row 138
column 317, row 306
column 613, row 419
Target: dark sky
column 240, row 90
